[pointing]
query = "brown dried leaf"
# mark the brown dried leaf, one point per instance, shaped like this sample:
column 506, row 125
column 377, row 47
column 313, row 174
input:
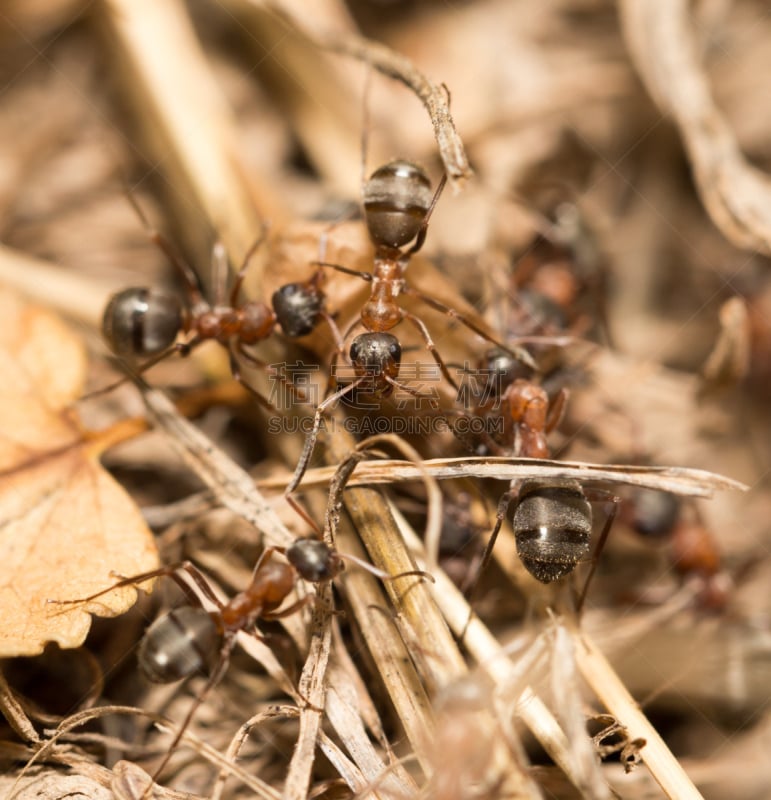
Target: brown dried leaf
column 65, row 524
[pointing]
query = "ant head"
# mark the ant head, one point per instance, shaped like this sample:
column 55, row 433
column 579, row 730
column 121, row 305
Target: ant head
column 502, row 369
column 141, row 322
column 179, row 644
column 297, row 307
column 314, row 560
column 376, row 354
column 397, row 198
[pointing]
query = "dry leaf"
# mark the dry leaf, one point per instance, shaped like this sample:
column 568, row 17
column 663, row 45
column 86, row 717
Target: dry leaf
column 65, row 524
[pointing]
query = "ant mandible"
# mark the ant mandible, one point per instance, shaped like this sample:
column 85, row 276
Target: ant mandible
column 398, row 204
column 141, row 322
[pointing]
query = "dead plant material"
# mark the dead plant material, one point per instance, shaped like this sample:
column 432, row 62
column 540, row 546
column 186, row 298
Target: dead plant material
column 224, row 117
column 737, row 195
column 66, row 523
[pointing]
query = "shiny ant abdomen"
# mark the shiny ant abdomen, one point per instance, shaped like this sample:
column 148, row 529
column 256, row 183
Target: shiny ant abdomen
column 398, row 203
column 144, row 323
column 190, row 640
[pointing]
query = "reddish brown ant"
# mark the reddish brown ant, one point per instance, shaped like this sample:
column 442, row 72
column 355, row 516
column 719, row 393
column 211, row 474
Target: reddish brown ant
column 691, row 547
column 189, row 639
column 398, row 204
column 141, row 322
column 551, row 519
column 523, row 407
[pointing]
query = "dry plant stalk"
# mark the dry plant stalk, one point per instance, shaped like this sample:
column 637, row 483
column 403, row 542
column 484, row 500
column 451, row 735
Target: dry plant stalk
column 435, row 98
column 188, row 125
column 736, row 194
column 409, row 649
column 679, row 480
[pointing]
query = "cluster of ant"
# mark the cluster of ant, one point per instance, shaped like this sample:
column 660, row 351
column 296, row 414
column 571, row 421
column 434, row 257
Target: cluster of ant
column 552, row 519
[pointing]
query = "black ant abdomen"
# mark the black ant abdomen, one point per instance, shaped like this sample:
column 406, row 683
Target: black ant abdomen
column 297, row 307
column 140, row 322
column 553, row 526
column 397, row 198
column 654, row 514
column 181, row 643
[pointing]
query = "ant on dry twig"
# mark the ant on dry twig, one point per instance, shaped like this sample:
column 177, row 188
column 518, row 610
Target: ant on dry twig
column 189, row 639
column 551, row 518
column 398, row 204
column 141, row 322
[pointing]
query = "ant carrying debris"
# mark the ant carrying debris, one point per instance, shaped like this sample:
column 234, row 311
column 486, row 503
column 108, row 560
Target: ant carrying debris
column 141, row 322
column 398, row 204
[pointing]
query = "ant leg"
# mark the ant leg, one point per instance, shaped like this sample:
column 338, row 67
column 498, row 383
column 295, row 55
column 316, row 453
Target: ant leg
column 517, row 352
column 304, row 515
column 272, row 373
column 431, row 347
column 187, row 274
column 341, row 352
column 238, row 281
column 414, row 392
column 385, row 576
column 556, row 411
column 235, row 369
column 220, row 268
column 310, row 441
column 485, row 438
column 171, row 571
column 216, row 676
column 264, row 556
column 334, row 503
column 365, row 125
column 611, row 503
column 183, row 348
column 503, row 507
column 289, row 610
column 336, row 335
column 365, row 276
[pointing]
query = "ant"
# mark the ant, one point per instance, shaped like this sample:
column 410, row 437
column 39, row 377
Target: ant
column 691, row 547
column 526, row 413
column 398, row 204
column 140, row 322
column 552, row 522
column 189, row 639
column 562, row 266
column 551, row 519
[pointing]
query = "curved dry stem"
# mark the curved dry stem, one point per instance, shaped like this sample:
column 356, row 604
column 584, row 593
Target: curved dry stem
column 737, row 195
column 434, row 97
